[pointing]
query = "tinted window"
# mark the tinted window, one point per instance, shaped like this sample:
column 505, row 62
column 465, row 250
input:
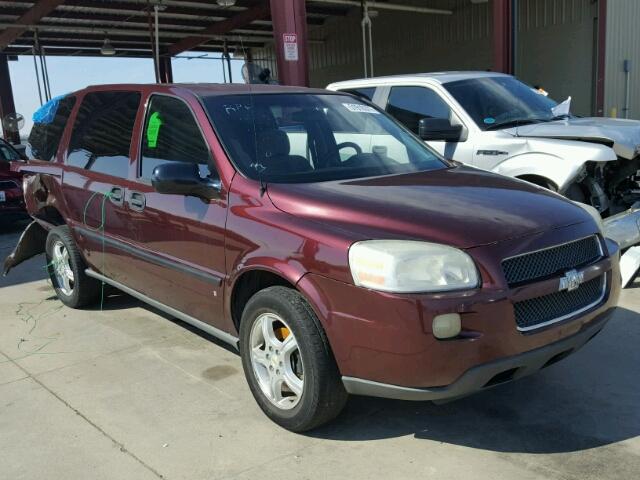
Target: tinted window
column 410, row 104
column 102, row 132
column 298, row 138
column 45, row 136
column 364, row 92
column 495, row 102
column 171, row 134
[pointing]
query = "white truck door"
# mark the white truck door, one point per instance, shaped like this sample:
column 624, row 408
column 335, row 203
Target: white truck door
column 410, row 103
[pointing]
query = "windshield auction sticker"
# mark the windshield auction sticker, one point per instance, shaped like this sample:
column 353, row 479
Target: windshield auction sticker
column 359, row 108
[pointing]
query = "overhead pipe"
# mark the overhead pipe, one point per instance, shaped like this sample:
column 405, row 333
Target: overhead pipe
column 125, row 32
column 388, row 6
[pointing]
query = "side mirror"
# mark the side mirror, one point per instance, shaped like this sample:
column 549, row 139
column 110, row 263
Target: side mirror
column 180, row 178
column 439, row 129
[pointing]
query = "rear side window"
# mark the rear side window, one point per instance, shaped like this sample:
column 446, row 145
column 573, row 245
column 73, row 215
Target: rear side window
column 364, row 92
column 48, row 128
column 411, row 104
column 171, row 134
column 102, row 132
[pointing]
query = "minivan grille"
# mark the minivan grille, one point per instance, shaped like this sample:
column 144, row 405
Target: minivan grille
column 547, row 262
column 535, row 312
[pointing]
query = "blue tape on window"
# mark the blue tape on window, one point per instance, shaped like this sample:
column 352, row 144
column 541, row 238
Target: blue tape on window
column 47, row 112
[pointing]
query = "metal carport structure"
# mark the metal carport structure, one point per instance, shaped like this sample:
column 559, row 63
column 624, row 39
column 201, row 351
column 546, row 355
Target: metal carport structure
column 81, row 27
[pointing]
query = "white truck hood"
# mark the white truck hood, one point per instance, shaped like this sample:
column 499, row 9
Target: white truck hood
column 623, row 135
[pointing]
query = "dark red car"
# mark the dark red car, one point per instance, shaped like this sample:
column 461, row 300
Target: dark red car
column 312, row 231
column 12, row 205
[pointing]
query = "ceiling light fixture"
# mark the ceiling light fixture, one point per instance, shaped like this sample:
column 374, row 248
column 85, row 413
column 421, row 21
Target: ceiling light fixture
column 107, row 49
column 226, row 3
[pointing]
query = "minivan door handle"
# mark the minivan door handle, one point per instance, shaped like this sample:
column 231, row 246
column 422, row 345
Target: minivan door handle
column 137, row 201
column 116, row 196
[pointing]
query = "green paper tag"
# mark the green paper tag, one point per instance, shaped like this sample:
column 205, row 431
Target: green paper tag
column 153, row 129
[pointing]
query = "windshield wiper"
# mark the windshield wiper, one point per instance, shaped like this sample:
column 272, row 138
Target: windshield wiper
column 514, row 123
column 564, row 116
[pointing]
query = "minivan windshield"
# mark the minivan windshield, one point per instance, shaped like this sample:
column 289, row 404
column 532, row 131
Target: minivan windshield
column 302, row 137
column 501, row 102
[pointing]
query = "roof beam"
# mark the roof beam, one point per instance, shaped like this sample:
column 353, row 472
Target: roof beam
column 240, row 20
column 40, row 9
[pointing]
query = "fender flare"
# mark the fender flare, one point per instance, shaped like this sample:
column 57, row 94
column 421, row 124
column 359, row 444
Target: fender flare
column 558, row 170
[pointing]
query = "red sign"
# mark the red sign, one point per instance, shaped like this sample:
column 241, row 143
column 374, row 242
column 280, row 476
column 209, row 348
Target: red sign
column 290, row 42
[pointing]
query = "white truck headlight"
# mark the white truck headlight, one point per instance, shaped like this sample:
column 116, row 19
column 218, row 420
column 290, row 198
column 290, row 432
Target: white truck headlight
column 410, row 266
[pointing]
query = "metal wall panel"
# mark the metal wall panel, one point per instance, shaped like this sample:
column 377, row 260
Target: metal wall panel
column 403, row 43
column 623, row 42
column 555, row 49
column 556, row 46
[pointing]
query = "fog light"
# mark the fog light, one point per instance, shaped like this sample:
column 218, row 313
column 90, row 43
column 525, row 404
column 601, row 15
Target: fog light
column 446, row 326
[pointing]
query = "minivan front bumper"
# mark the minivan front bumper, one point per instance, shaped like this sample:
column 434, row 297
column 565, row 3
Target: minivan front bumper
column 381, row 339
column 486, row 375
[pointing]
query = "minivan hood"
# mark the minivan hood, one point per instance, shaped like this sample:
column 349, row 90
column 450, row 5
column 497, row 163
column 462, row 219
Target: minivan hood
column 461, row 206
column 622, row 134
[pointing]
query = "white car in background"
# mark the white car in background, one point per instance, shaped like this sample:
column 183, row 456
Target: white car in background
column 495, row 122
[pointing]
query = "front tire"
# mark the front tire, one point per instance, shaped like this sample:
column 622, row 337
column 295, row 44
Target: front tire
column 66, row 270
column 288, row 362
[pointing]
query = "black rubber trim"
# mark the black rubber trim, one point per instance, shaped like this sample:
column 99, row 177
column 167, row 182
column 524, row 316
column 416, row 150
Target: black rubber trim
column 150, row 257
column 205, row 327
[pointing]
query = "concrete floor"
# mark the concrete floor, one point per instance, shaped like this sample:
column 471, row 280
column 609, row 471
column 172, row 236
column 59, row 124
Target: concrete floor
column 127, row 393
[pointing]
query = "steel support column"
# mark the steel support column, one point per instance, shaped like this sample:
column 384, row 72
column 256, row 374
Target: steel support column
column 290, row 34
column 166, row 72
column 502, row 36
column 7, row 105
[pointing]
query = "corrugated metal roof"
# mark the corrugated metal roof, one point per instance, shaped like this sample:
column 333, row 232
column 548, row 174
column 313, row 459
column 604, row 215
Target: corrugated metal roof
column 90, row 21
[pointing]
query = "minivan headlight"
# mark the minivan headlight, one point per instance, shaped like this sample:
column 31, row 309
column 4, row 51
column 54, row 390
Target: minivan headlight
column 411, row 266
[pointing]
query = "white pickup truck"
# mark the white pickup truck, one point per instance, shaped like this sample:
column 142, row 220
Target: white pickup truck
column 495, row 122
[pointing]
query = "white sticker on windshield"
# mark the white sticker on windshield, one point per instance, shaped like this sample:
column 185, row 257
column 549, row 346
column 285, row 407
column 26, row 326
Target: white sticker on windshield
column 359, row 108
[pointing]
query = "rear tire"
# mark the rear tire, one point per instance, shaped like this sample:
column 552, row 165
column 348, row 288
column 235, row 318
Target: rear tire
column 287, row 361
column 66, row 270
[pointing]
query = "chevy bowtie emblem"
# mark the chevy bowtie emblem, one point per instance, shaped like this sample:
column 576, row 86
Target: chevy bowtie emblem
column 571, row 280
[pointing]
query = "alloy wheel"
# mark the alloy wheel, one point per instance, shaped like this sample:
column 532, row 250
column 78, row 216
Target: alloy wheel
column 276, row 361
column 61, row 265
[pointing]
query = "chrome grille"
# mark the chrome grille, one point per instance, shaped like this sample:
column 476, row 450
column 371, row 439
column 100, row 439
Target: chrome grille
column 554, row 307
column 550, row 261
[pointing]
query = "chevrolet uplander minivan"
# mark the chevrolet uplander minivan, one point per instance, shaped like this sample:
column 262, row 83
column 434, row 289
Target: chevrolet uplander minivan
column 332, row 247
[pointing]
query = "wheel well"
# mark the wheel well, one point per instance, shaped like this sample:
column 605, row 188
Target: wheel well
column 51, row 215
column 540, row 181
column 249, row 284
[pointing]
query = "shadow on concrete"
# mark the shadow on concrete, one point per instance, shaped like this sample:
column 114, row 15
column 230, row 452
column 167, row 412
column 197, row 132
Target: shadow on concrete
column 29, row 271
column 116, row 300
column 588, row 400
column 15, row 226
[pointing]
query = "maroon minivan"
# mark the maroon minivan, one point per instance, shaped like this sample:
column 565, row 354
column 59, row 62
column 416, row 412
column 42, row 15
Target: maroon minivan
column 312, row 231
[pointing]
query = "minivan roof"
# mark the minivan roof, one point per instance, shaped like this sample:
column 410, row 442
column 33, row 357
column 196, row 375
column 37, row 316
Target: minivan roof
column 206, row 89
